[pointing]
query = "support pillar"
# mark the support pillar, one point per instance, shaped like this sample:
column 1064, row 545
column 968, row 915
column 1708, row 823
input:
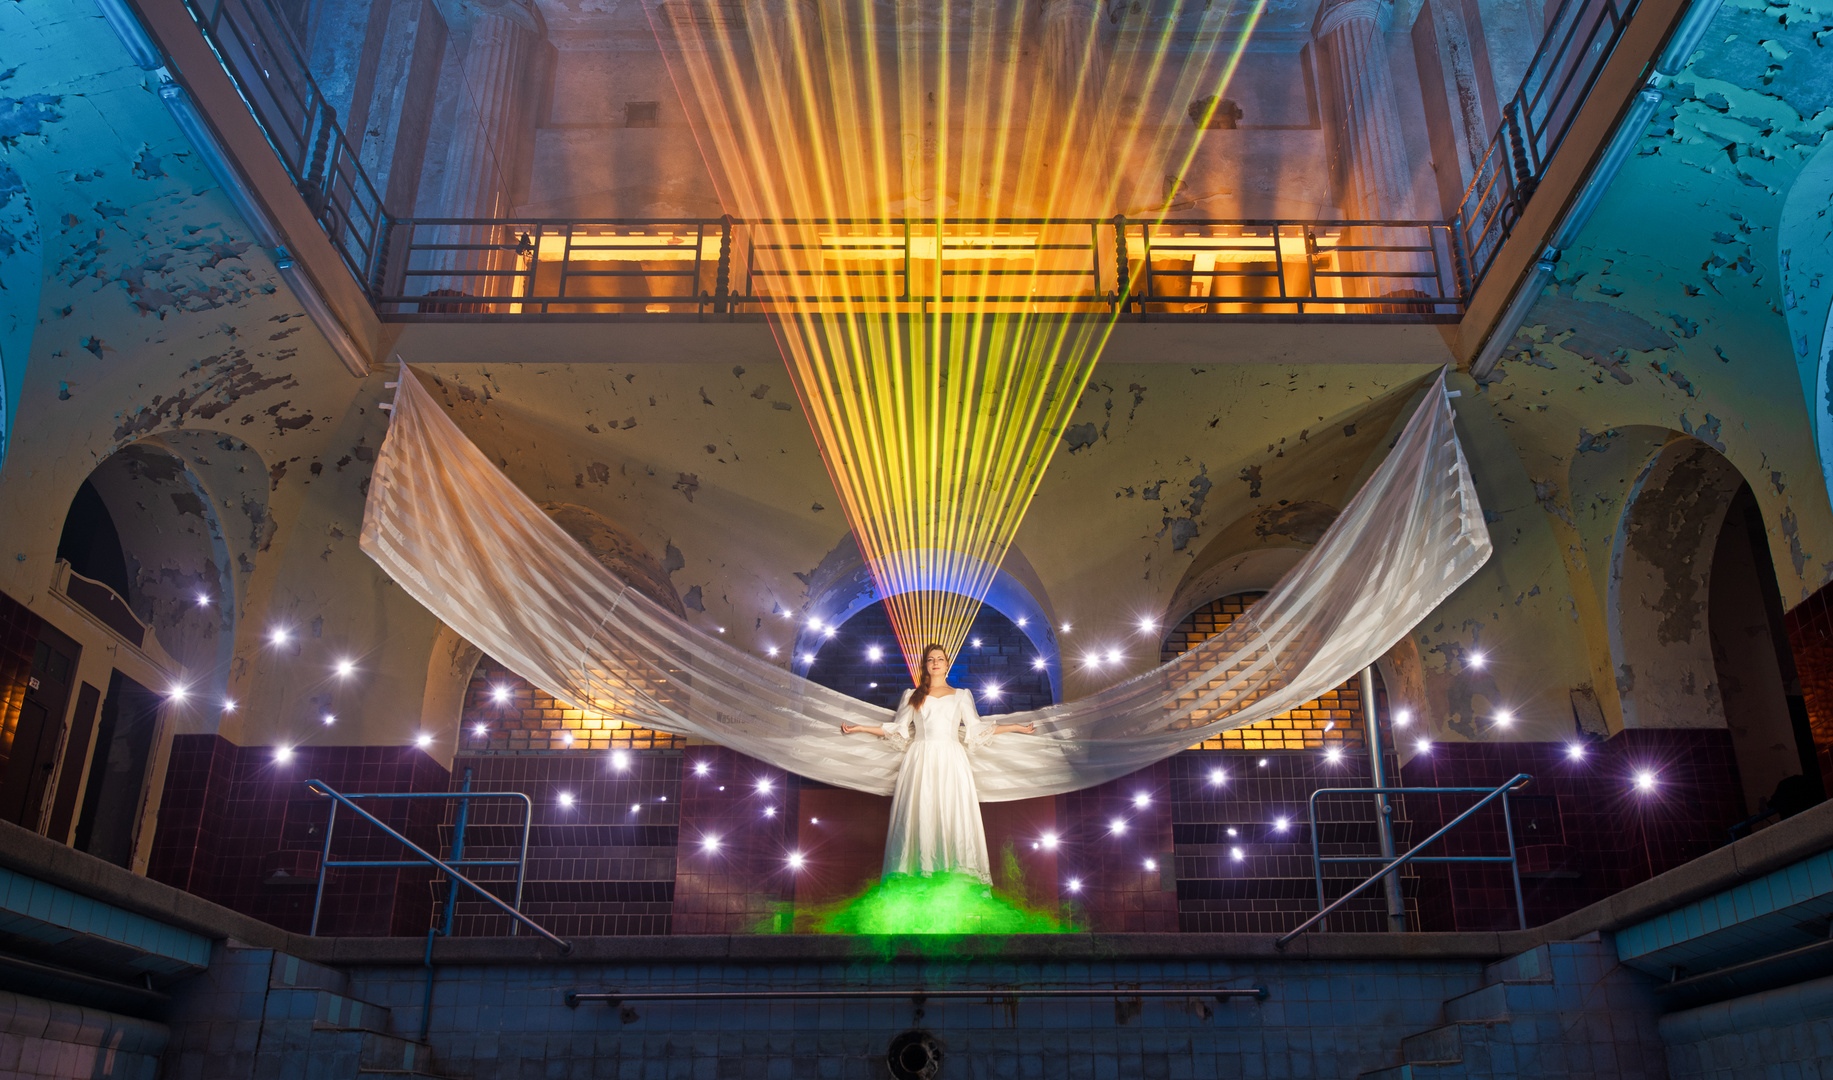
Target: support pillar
column 1384, row 809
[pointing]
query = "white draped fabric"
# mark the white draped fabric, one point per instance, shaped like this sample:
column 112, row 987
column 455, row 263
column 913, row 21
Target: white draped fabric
column 453, row 531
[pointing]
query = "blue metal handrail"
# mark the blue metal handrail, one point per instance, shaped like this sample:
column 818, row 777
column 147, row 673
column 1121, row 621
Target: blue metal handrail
column 319, row 787
column 1519, row 781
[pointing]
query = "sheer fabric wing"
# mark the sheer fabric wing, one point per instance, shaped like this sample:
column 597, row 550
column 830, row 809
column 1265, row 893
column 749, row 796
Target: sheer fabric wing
column 453, row 531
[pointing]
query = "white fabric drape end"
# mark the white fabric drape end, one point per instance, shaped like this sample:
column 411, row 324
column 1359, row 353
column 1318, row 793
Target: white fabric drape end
column 460, row 538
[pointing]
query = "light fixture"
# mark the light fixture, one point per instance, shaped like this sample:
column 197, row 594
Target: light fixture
column 1217, row 776
column 1113, row 656
column 330, row 718
column 1141, row 799
column 620, row 759
column 721, row 629
column 203, row 600
column 1065, row 628
column 661, row 798
column 1423, row 746
column 1117, row 826
column 795, row 860
column 178, row 693
column 1145, row 626
column 763, row 786
column 1151, row 864
column 770, row 650
column 635, row 807
column 1050, row 841
column 1280, row 824
column 1236, row 854
column 814, row 821
column 815, row 625
column 1504, row 718
column 501, row 694
column 278, row 635
column 872, row 686
column 283, row 754
column 566, row 738
column 1075, row 884
column 992, row 689
column 770, row 811
column 423, row 740
column 345, row 668
column 976, row 643
column 229, row 704
column 711, row 843
column 1645, row 780
column 1092, row 659
column 481, row 730
column 875, row 654
column 566, row 798
column 1575, row 751
column 1020, row 623
column 829, row 632
column 1262, row 763
column 1403, row 718
column 1333, row 755
column 1038, row 663
column 808, row 658
column 1232, row 831
column 1477, row 660
column 700, row 768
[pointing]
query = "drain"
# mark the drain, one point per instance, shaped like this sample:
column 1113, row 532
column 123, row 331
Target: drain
column 915, row 1055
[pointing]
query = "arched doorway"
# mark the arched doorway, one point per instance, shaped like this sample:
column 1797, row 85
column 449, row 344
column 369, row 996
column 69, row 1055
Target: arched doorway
column 1696, row 633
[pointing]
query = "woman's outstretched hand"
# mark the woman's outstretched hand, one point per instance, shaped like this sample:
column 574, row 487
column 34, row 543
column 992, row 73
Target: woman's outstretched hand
column 1016, row 729
column 855, row 729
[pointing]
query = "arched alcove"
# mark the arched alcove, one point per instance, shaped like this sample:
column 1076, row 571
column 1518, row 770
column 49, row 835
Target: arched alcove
column 1695, row 620
column 843, row 586
column 487, row 707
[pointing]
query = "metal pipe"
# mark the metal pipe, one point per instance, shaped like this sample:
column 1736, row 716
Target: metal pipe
column 1384, row 810
column 324, row 862
column 321, row 788
column 1519, row 780
column 458, row 852
column 614, row 997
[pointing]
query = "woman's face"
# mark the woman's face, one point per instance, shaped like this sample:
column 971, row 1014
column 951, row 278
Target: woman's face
column 935, row 665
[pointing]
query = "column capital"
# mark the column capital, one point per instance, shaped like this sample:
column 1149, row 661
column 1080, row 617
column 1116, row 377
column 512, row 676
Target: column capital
column 462, row 15
column 1331, row 16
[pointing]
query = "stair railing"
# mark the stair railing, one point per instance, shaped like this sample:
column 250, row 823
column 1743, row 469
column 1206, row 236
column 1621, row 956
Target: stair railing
column 1318, row 859
column 319, row 787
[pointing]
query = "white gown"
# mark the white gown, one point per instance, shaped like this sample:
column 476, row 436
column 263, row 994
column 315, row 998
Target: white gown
column 935, row 808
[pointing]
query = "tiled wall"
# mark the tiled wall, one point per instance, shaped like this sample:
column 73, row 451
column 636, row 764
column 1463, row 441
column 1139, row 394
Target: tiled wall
column 246, row 833
column 1585, row 829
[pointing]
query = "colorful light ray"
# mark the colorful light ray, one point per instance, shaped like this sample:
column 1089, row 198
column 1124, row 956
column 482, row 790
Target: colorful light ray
column 957, row 328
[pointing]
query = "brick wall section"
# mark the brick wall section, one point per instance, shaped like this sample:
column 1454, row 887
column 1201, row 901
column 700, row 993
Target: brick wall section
column 1810, row 637
column 504, row 713
column 743, row 883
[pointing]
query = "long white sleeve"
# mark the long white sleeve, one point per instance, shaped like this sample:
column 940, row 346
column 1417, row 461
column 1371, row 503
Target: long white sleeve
column 897, row 732
column 976, row 732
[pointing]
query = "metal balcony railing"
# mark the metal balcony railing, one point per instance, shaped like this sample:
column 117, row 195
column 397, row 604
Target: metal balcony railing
column 257, row 49
column 1580, row 40
column 717, row 266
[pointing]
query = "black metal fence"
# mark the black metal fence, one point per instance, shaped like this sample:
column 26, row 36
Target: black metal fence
column 1580, row 40
column 716, row 266
column 262, row 56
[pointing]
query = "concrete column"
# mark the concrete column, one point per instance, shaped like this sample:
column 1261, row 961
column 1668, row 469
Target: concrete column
column 501, row 42
column 1352, row 40
column 1074, row 63
column 1352, row 35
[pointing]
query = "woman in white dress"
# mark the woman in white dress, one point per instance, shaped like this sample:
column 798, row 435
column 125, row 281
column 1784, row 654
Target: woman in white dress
column 935, row 810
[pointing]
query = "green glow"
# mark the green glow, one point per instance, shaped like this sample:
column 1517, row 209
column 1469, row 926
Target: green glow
column 942, row 904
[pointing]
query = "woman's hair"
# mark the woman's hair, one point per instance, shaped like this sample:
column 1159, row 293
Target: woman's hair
column 922, row 688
